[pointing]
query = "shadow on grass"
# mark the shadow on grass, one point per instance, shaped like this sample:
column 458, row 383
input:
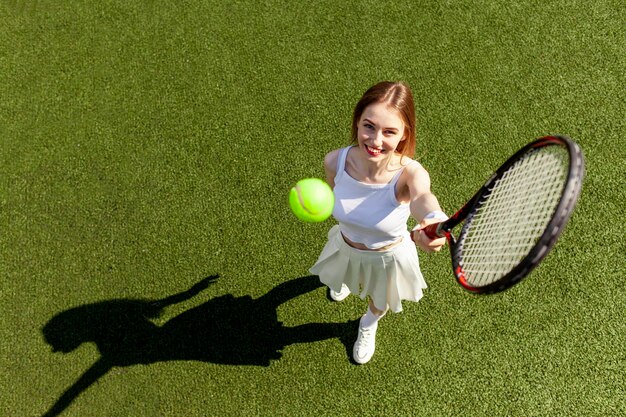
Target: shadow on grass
column 224, row 330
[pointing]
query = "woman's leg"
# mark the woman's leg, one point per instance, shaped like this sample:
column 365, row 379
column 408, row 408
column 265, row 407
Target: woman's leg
column 366, row 341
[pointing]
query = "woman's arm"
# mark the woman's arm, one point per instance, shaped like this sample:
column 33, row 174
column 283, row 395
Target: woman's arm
column 422, row 203
column 330, row 167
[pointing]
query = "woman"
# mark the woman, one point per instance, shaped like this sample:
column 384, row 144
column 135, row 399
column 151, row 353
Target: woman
column 377, row 185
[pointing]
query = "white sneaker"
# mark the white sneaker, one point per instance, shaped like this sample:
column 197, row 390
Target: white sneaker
column 342, row 294
column 365, row 344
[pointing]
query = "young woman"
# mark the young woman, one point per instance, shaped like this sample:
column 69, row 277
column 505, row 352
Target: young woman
column 377, row 185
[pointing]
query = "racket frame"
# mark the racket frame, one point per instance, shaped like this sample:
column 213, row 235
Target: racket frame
column 561, row 215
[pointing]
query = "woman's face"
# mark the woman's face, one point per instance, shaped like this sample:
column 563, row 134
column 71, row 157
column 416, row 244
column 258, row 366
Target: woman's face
column 379, row 131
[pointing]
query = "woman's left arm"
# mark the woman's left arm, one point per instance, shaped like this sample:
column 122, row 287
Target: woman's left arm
column 423, row 203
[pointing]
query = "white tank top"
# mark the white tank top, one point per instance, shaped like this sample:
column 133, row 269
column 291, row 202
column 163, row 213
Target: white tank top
column 368, row 213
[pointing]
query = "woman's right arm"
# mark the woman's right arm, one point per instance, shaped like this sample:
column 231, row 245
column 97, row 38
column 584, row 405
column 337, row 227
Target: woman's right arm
column 330, row 167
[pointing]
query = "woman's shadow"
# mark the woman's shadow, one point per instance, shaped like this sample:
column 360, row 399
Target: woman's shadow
column 224, row 330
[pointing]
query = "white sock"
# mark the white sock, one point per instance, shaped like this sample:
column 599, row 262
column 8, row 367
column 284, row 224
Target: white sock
column 370, row 319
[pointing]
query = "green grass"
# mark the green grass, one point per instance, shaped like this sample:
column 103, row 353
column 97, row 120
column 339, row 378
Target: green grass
column 148, row 145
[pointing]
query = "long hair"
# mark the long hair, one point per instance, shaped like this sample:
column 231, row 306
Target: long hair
column 397, row 96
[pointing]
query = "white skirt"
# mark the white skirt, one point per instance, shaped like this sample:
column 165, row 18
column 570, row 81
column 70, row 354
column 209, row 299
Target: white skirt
column 387, row 277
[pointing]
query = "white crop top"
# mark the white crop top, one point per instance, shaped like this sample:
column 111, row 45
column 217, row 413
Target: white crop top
column 368, row 213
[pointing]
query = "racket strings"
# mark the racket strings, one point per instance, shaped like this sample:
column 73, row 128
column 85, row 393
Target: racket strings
column 513, row 216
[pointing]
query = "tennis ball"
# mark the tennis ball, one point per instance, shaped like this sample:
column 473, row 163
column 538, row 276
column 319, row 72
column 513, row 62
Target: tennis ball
column 312, row 200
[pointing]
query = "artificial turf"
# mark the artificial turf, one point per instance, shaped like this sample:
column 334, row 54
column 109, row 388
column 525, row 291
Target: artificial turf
column 146, row 146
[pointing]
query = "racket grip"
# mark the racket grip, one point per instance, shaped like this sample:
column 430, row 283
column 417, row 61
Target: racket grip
column 432, row 231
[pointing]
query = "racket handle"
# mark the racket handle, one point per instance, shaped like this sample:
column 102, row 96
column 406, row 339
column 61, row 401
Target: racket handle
column 432, row 231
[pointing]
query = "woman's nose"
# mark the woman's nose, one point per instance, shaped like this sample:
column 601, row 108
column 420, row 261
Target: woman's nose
column 378, row 137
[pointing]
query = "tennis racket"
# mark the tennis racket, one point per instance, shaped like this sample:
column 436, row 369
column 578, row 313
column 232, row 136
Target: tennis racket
column 514, row 220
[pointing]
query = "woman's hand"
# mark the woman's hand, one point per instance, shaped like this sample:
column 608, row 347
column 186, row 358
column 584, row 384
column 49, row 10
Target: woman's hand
column 424, row 242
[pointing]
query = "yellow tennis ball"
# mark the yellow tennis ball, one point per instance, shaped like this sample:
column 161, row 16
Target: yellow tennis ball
column 312, row 200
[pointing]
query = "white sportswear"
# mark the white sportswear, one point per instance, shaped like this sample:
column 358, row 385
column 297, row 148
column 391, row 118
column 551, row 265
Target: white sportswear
column 369, row 213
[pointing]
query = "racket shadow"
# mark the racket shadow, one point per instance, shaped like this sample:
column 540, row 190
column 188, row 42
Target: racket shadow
column 224, row 330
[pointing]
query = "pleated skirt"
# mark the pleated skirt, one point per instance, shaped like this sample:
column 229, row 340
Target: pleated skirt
column 387, row 277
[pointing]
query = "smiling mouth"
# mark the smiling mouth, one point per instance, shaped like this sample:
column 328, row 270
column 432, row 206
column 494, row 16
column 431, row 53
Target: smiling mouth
column 373, row 151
